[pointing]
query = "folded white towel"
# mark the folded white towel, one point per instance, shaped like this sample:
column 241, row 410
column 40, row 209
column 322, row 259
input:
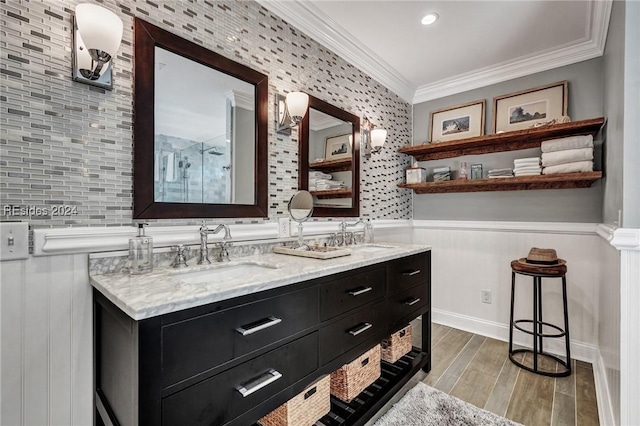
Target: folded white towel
column 573, row 142
column 538, row 173
column 500, row 177
column 526, row 160
column 501, row 170
column 566, row 156
column 580, row 166
column 527, row 169
column 314, row 174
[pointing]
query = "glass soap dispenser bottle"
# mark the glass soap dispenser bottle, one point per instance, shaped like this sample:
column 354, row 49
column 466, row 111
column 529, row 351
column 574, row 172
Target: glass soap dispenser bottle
column 141, row 252
column 368, row 232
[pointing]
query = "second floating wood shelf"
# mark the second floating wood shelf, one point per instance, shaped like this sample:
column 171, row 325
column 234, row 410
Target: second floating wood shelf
column 509, row 141
column 332, row 193
column 556, row 181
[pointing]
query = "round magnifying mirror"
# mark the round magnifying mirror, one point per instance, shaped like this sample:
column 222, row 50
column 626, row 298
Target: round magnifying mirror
column 301, row 206
column 300, row 209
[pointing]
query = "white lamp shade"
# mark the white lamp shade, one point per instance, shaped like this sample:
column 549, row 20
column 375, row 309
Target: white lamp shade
column 378, row 136
column 100, row 28
column 83, row 57
column 297, row 103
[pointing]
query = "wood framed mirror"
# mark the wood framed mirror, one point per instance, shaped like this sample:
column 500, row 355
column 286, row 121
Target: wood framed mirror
column 200, row 131
column 329, row 159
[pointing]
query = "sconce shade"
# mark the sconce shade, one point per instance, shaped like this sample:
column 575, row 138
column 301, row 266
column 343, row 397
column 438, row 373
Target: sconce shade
column 297, row 103
column 378, row 136
column 101, row 30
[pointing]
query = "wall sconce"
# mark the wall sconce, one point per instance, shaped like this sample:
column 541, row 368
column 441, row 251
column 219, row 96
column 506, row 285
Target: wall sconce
column 290, row 111
column 374, row 137
column 378, row 136
column 96, row 38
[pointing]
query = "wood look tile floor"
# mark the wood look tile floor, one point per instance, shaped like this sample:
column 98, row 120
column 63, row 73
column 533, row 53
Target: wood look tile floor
column 477, row 370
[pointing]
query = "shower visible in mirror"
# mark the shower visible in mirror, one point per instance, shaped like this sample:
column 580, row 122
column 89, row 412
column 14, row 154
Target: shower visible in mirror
column 300, row 209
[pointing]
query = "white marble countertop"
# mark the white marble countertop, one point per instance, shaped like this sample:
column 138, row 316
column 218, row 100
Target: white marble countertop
column 165, row 290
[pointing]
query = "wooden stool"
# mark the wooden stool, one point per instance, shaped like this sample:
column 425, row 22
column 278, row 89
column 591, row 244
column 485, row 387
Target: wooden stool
column 538, row 273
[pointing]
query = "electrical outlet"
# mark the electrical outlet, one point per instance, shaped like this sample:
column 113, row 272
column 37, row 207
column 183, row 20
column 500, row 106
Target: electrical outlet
column 486, row 296
column 284, row 228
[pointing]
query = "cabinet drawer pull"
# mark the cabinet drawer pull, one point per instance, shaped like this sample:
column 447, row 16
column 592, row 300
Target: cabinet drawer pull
column 258, row 383
column 360, row 291
column 245, row 330
column 412, row 302
column 361, row 329
column 411, row 273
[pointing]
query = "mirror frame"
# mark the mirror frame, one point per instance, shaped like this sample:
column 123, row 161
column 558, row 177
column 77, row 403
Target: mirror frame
column 303, row 158
column 146, row 38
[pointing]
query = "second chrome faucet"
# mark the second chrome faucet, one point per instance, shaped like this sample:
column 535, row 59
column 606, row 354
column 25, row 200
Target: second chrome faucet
column 223, row 255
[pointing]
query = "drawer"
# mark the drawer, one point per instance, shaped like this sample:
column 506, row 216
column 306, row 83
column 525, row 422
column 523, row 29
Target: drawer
column 198, row 344
column 351, row 291
column 408, row 302
column 347, row 333
column 406, row 272
column 221, row 398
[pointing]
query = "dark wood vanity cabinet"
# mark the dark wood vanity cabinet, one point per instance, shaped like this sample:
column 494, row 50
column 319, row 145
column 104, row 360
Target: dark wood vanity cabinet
column 231, row 362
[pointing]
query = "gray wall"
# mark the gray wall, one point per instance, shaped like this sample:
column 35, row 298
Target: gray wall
column 631, row 189
column 68, row 143
column 566, row 205
column 613, row 76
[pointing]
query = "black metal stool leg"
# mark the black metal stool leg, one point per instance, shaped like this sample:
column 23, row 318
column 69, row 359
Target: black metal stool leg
column 566, row 322
column 535, row 324
column 540, row 333
column 513, row 291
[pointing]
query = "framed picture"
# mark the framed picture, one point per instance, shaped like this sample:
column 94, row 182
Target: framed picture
column 336, row 147
column 458, row 122
column 526, row 109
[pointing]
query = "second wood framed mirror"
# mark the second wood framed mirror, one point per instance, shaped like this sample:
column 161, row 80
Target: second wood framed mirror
column 329, row 159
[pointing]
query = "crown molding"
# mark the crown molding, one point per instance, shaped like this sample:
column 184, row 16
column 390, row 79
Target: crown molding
column 315, row 23
column 309, row 19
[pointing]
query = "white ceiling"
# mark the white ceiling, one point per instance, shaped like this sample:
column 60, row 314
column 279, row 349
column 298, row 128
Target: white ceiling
column 473, row 44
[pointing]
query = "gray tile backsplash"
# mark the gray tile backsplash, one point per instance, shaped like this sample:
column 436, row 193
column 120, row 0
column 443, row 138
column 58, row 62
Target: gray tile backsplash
column 67, row 143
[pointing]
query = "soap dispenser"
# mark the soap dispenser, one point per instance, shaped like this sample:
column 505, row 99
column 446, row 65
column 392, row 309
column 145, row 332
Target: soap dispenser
column 368, row 232
column 141, row 252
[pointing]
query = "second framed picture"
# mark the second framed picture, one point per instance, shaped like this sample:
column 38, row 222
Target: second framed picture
column 337, row 147
column 458, row 122
column 529, row 108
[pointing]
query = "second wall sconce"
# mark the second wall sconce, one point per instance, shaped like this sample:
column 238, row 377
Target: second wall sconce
column 97, row 33
column 290, row 111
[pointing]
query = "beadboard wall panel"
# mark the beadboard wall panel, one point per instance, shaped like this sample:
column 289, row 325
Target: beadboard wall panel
column 67, row 143
column 46, row 322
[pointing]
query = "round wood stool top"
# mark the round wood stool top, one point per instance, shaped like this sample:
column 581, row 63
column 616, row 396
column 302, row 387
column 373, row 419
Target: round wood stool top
column 549, row 271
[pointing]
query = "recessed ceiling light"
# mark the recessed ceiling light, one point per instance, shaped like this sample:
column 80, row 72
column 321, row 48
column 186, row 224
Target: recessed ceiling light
column 429, row 18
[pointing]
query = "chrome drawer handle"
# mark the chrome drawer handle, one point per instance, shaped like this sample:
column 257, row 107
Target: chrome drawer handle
column 360, row 291
column 260, row 325
column 409, row 274
column 258, row 383
column 362, row 329
column 412, row 302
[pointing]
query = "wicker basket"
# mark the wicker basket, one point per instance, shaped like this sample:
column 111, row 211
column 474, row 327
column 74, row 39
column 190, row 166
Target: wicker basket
column 396, row 345
column 351, row 379
column 304, row 409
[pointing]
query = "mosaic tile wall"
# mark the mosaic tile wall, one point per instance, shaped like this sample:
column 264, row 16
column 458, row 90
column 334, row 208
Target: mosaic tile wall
column 66, row 143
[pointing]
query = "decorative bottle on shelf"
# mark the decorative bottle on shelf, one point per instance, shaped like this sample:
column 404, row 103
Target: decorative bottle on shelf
column 368, row 232
column 140, row 252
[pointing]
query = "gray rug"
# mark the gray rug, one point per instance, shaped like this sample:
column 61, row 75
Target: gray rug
column 426, row 406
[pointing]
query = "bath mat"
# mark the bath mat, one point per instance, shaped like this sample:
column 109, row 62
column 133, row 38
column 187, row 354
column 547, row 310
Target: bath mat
column 426, row 406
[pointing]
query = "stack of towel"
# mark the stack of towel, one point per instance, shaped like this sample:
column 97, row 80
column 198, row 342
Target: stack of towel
column 527, row 166
column 500, row 173
column 567, row 155
column 319, row 181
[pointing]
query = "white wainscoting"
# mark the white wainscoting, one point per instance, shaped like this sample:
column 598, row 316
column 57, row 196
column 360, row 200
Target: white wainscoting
column 46, row 359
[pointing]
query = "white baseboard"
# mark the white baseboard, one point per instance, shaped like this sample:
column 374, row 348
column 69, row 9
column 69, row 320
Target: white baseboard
column 579, row 350
column 605, row 407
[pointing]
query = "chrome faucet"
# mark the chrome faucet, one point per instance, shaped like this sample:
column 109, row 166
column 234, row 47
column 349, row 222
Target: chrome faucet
column 343, row 230
column 204, row 232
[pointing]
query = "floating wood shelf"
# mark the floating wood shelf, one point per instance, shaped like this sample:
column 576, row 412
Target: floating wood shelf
column 556, row 181
column 340, row 165
column 332, row 193
column 509, row 141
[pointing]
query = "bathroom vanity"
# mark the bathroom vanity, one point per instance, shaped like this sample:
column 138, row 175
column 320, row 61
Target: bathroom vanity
column 187, row 348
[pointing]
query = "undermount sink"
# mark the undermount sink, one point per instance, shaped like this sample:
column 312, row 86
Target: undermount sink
column 371, row 248
column 222, row 272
